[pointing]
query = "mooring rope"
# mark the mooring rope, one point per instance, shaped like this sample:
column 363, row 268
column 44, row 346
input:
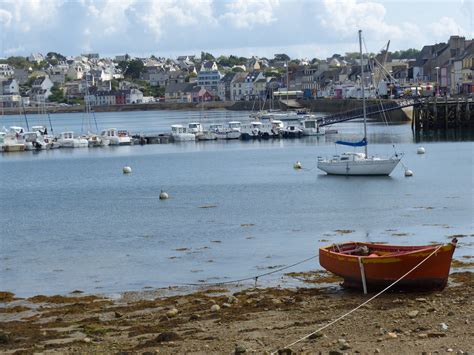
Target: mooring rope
column 256, row 277
column 363, row 304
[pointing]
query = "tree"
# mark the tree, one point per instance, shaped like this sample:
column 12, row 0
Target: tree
column 134, row 69
column 410, row 53
column 282, row 57
column 54, row 58
column 17, row 62
column 189, row 76
column 237, row 70
column 206, row 56
column 57, row 94
column 114, row 84
column 352, row 55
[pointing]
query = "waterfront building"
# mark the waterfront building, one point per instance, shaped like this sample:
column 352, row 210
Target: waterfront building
column 9, row 93
column 209, row 80
column 40, row 90
column 179, row 92
column 224, row 87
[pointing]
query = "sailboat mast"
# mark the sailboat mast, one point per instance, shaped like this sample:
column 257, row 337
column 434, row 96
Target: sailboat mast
column 363, row 90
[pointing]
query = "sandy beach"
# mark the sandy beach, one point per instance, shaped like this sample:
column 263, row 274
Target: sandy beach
column 260, row 320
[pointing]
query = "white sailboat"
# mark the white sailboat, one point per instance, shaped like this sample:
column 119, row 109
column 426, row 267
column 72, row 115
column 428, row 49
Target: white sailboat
column 358, row 163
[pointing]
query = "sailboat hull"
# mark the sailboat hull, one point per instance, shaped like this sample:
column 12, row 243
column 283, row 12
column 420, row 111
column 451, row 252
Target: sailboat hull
column 363, row 167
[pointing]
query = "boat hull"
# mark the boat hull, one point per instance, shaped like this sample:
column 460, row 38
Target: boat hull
column 382, row 167
column 13, row 148
column 381, row 271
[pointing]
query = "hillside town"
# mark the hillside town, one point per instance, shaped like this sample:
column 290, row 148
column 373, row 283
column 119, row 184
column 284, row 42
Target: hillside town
column 444, row 69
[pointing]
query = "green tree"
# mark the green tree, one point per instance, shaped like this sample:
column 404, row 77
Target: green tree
column 410, row 53
column 282, row 57
column 189, row 76
column 206, row 56
column 134, row 69
column 114, row 84
column 57, row 94
column 237, row 70
column 17, row 62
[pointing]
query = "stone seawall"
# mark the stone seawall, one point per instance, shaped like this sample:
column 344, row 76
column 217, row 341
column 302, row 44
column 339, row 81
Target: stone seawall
column 320, row 105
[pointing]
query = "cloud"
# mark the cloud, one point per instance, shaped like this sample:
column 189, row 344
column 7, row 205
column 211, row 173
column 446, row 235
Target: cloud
column 447, row 26
column 248, row 13
column 5, row 17
column 25, row 15
column 345, row 17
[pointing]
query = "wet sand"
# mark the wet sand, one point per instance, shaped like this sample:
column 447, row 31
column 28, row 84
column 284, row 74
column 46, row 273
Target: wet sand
column 258, row 320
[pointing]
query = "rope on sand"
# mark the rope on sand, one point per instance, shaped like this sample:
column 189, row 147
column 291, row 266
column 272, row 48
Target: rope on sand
column 363, row 304
column 251, row 277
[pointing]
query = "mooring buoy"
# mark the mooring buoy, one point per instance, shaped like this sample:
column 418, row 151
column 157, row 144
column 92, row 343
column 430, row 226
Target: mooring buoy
column 408, row 172
column 297, row 165
column 127, row 170
column 420, row 150
column 163, row 195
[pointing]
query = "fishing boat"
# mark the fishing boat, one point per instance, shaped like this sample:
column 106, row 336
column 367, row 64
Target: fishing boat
column 113, row 136
column 371, row 266
column 310, row 126
column 292, row 131
column 233, row 130
column 358, row 163
column 68, row 140
column 12, row 140
column 181, row 134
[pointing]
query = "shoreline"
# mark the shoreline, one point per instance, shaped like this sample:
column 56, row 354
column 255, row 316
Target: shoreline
column 326, row 106
column 220, row 320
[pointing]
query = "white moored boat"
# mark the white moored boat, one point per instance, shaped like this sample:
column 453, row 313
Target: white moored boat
column 358, row 163
column 310, row 126
column 67, row 140
column 233, row 130
column 112, row 136
column 12, row 141
column 180, row 133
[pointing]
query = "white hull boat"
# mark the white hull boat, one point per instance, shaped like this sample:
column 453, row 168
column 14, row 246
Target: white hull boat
column 357, row 164
column 360, row 164
column 67, row 140
column 206, row 136
column 180, row 134
column 112, row 136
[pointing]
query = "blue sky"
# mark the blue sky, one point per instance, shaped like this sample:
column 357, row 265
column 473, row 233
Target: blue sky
column 300, row 28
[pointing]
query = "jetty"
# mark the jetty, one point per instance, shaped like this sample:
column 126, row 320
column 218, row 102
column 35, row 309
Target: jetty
column 443, row 113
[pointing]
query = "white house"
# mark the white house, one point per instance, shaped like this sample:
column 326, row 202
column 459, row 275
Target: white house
column 41, row 89
column 6, row 71
column 9, row 87
column 75, row 71
column 134, row 96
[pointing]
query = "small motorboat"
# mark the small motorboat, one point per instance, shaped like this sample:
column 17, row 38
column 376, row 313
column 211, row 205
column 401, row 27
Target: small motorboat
column 379, row 265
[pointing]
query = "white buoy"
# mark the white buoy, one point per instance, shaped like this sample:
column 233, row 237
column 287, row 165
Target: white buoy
column 298, row 165
column 127, row 170
column 420, row 150
column 408, row 172
column 163, row 195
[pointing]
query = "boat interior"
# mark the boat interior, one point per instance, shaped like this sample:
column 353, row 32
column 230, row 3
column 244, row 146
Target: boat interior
column 374, row 250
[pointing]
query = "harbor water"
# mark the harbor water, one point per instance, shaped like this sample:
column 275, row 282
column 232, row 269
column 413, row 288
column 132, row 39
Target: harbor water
column 71, row 220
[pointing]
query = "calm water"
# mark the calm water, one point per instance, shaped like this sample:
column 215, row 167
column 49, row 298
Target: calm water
column 71, row 220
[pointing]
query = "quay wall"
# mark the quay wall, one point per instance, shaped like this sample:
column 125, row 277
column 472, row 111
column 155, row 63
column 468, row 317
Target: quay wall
column 318, row 105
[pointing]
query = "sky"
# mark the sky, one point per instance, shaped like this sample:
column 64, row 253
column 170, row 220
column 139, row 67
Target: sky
column 168, row 28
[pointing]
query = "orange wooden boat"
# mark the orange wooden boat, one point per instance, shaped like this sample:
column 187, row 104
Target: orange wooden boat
column 381, row 265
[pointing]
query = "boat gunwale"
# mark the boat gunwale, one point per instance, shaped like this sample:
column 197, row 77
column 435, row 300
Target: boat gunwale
column 393, row 250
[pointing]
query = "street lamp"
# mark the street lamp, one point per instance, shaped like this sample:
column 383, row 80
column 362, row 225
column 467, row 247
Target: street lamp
column 437, row 82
